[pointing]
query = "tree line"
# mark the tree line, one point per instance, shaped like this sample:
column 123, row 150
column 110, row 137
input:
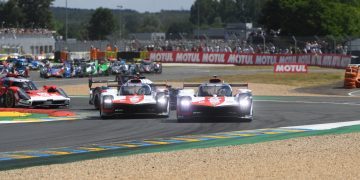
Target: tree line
column 292, row 17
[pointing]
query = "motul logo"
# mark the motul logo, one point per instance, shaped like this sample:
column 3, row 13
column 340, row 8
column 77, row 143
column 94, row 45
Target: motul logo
column 290, row 68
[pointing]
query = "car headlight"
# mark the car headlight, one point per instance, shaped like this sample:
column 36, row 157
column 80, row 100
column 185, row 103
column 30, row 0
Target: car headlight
column 162, row 100
column 108, row 102
column 185, row 102
column 244, row 102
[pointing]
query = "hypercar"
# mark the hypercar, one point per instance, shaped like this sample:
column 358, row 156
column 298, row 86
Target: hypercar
column 137, row 95
column 120, row 67
column 146, row 66
column 95, row 93
column 20, row 67
column 104, row 67
column 18, row 91
column 53, row 70
column 214, row 99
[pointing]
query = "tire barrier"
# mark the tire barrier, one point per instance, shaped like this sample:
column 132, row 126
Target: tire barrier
column 352, row 77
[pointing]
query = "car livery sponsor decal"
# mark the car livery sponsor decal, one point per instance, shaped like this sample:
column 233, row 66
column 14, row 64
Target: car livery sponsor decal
column 135, row 99
column 210, row 101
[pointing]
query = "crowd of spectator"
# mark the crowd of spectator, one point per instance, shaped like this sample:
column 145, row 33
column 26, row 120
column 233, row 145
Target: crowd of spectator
column 29, row 31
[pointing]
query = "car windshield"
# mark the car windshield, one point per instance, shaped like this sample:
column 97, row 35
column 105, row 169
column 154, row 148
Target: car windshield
column 142, row 89
column 219, row 90
column 26, row 85
column 146, row 62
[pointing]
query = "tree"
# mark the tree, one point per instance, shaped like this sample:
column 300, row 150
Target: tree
column 228, row 11
column 150, row 24
column 207, row 9
column 178, row 29
column 37, row 13
column 11, row 14
column 102, row 24
column 308, row 18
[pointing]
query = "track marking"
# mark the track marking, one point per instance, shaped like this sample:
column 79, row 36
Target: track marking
column 309, row 102
column 326, row 126
column 52, row 152
column 352, row 93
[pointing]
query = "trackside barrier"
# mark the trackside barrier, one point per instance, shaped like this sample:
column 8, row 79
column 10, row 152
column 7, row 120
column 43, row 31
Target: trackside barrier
column 321, row 60
column 352, row 76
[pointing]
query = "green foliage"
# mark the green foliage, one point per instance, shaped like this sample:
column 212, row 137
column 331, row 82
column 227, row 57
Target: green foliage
column 11, row 14
column 132, row 21
column 203, row 12
column 178, row 29
column 150, row 24
column 102, row 24
column 26, row 13
column 37, row 12
column 307, row 18
column 230, row 11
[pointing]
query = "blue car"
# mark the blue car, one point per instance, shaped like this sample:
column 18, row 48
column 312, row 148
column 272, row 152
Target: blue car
column 68, row 70
column 21, row 67
column 55, row 70
column 35, row 64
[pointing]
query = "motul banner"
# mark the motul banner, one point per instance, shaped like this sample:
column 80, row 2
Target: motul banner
column 290, row 68
column 323, row 60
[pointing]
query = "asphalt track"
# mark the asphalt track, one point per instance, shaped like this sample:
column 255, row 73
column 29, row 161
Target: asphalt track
column 270, row 112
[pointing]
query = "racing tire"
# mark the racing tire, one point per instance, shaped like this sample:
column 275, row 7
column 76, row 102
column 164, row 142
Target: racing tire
column 247, row 119
column 104, row 115
column 9, row 99
column 97, row 102
column 349, row 79
column 349, row 84
column 166, row 113
column 350, row 75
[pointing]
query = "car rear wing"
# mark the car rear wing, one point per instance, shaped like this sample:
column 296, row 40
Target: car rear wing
column 119, row 80
column 192, row 85
column 189, row 85
column 246, row 85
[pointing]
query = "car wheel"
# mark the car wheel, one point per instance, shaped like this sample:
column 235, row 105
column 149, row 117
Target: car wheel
column 97, row 102
column 9, row 100
column 246, row 118
column 104, row 115
column 166, row 113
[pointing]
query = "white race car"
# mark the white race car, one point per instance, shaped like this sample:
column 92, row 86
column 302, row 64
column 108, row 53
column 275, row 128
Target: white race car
column 138, row 95
column 18, row 91
column 214, row 99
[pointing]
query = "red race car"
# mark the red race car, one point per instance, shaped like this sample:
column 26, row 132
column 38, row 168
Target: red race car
column 18, row 91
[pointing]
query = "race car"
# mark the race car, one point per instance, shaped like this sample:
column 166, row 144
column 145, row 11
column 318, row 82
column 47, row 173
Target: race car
column 158, row 67
column 120, row 67
column 95, row 93
column 146, row 66
column 20, row 67
column 104, row 67
column 138, row 95
column 214, row 99
column 52, row 70
column 18, row 91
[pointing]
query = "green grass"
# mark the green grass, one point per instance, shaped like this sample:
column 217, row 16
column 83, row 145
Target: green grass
column 299, row 80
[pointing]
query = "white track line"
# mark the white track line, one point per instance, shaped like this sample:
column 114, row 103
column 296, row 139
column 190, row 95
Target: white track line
column 352, row 93
column 308, row 102
column 325, row 126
